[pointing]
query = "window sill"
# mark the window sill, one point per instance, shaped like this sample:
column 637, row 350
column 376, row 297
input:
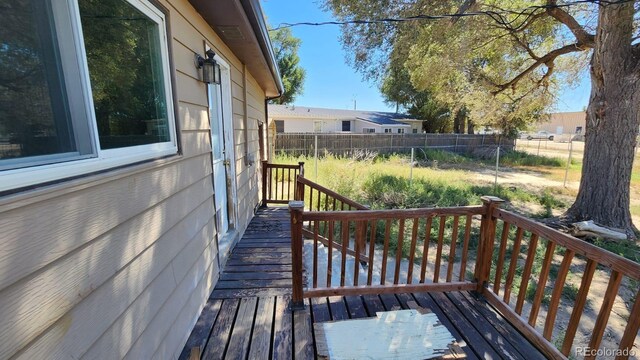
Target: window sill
column 74, row 181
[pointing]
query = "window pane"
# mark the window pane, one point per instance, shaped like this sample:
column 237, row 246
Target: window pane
column 279, row 126
column 215, row 119
column 125, row 68
column 35, row 124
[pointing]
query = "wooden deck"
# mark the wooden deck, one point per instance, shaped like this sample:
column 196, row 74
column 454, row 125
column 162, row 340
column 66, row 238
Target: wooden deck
column 247, row 315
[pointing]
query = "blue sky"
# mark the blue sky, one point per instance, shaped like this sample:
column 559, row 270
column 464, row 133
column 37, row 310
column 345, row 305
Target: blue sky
column 332, row 83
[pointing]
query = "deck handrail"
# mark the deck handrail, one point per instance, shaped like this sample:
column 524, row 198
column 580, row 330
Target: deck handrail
column 343, row 227
column 332, row 198
column 277, row 180
column 337, row 226
column 563, row 249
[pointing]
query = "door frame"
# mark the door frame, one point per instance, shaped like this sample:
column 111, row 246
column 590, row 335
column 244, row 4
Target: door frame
column 229, row 145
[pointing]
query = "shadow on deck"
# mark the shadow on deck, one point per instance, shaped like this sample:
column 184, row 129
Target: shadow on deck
column 247, row 315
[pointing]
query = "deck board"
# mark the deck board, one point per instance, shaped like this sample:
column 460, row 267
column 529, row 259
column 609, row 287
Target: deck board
column 261, row 338
column 248, row 315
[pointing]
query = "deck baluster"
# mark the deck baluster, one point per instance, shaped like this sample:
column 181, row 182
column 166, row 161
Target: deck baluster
column 296, row 208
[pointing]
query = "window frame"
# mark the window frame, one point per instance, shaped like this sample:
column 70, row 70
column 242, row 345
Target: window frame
column 81, row 100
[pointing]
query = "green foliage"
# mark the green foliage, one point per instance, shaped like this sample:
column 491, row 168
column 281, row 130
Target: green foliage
column 627, row 249
column 441, row 156
column 397, row 89
column 286, row 47
column 464, row 62
column 521, row 158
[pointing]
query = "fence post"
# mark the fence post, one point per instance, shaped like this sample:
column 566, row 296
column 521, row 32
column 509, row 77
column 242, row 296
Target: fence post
column 316, row 155
column 495, row 184
column 425, row 141
column 351, row 144
column 566, row 171
column 295, row 210
column 265, row 163
column 487, row 238
column 411, row 169
column 455, row 148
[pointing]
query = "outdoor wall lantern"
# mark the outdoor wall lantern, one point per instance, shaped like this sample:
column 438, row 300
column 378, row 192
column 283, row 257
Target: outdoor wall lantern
column 210, row 67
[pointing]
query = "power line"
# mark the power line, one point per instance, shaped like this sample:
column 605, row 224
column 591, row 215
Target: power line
column 490, row 13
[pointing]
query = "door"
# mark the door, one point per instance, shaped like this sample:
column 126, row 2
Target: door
column 219, row 160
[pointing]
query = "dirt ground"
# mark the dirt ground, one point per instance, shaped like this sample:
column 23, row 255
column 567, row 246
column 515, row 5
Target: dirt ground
column 537, row 181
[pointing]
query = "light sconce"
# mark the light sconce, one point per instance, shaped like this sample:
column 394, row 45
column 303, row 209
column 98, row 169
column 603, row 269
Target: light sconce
column 210, row 67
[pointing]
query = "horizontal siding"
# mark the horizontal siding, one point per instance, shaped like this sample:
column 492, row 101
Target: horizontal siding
column 83, row 325
column 195, row 142
column 117, row 341
column 29, row 241
column 155, row 334
column 194, row 117
column 120, row 264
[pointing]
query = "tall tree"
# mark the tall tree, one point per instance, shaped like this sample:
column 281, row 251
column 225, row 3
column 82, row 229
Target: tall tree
column 286, row 47
column 397, row 90
column 511, row 56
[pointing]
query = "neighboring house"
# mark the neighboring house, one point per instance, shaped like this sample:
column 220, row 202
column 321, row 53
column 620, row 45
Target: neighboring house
column 416, row 125
column 120, row 193
column 289, row 118
column 563, row 123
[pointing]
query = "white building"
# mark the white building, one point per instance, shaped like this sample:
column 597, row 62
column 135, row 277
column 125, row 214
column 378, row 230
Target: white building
column 563, row 123
column 285, row 118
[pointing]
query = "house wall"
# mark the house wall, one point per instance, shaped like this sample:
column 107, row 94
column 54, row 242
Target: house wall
column 306, row 124
column 568, row 121
column 361, row 125
column 119, row 265
column 415, row 125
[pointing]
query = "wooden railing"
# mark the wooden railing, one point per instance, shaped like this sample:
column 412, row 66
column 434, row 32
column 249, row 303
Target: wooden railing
column 521, row 244
column 279, row 182
column 319, row 198
column 484, row 248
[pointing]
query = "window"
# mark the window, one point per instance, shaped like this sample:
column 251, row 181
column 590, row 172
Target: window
column 86, row 87
column 387, row 131
column 368, row 130
column 415, row 131
column 317, row 126
column 279, row 126
column 346, row 125
column 400, row 131
column 578, row 129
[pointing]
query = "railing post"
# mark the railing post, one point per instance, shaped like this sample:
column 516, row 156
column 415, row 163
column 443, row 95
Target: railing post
column 295, row 209
column 301, row 165
column 485, row 246
column 299, row 194
column 264, row 182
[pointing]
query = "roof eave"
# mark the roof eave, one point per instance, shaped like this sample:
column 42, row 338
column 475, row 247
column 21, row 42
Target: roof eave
column 253, row 46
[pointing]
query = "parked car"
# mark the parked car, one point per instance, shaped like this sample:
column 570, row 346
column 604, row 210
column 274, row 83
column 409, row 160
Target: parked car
column 541, row 135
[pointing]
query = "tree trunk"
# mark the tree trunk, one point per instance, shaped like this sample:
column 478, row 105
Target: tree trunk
column 470, row 127
column 612, row 124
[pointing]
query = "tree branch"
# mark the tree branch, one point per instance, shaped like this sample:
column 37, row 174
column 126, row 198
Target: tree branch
column 524, row 45
column 546, row 60
column 582, row 36
column 468, row 4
